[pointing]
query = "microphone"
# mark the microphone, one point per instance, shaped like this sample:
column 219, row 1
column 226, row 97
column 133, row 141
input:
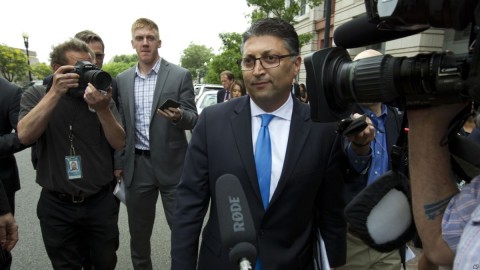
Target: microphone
column 360, row 32
column 236, row 223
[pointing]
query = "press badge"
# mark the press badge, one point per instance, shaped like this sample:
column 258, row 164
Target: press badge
column 73, row 162
column 74, row 167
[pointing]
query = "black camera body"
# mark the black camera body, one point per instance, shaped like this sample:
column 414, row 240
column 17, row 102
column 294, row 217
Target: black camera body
column 89, row 73
column 335, row 82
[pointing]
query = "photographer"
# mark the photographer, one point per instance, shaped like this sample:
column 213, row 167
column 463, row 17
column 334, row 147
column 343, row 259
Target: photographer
column 447, row 220
column 72, row 121
column 368, row 153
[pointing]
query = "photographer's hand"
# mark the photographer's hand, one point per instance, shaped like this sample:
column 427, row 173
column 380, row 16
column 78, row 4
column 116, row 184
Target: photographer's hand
column 111, row 127
column 360, row 142
column 62, row 80
column 98, row 100
column 32, row 125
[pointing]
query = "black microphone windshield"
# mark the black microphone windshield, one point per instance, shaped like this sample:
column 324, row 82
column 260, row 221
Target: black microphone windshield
column 360, row 32
column 235, row 219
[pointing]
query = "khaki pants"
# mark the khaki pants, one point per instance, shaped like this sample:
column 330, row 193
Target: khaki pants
column 362, row 257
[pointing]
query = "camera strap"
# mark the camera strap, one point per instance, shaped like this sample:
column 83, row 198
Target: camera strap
column 399, row 150
column 465, row 153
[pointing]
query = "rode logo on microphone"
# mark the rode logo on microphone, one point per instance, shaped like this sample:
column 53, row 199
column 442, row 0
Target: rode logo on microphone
column 237, row 215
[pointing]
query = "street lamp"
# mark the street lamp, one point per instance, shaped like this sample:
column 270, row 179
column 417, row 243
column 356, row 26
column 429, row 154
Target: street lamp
column 198, row 75
column 205, row 64
column 25, row 39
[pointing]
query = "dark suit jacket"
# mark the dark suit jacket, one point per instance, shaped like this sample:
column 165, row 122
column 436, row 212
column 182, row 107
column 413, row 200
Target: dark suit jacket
column 308, row 193
column 221, row 96
column 356, row 182
column 168, row 141
column 10, row 95
column 296, row 90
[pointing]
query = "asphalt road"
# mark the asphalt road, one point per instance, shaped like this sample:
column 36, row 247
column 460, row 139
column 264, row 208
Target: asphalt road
column 30, row 254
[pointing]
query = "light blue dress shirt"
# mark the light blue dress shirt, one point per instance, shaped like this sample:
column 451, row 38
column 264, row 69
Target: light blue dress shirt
column 376, row 163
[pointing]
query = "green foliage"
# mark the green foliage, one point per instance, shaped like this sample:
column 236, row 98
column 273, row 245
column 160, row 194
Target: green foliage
column 196, row 58
column 278, row 9
column 274, row 8
column 304, row 38
column 13, row 63
column 132, row 58
column 116, row 68
column 119, row 64
column 227, row 59
column 41, row 70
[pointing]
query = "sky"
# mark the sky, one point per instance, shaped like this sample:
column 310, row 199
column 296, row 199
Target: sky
column 181, row 22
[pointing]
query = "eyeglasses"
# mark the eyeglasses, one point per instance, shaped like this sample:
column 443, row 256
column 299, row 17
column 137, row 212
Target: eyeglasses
column 268, row 61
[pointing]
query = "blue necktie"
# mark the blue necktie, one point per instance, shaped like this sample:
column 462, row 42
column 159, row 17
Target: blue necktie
column 263, row 158
column 263, row 162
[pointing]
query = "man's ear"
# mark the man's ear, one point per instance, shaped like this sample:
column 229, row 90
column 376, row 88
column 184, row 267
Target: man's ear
column 298, row 64
column 55, row 67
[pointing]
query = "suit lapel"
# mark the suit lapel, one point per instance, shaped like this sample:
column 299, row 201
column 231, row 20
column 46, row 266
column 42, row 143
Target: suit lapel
column 161, row 79
column 131, row 95
column 242, row 129
column 297, row 139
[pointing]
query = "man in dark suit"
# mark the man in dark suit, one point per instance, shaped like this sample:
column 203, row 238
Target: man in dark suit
column 156, row 141
column 10, row 95
column 226, row 78
column 306, row 166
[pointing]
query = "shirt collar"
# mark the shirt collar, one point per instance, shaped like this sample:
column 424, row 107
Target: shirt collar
column 371, row 114
column 285, row 111
column 155, row 69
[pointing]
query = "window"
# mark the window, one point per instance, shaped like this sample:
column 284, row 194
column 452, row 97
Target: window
column 303, row 7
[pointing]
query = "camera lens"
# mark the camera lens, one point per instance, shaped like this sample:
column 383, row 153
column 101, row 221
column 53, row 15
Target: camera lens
column 100, row 79
column 370, row 79
column 334, row 82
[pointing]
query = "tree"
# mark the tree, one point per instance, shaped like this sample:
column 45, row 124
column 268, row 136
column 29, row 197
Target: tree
column 195, row 58
column 13, row 63
column 41, row 70
column 279, row 9
column 132, row 58
column 227, row 59
column 119, row 64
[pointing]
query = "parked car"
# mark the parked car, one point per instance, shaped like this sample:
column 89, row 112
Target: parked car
column 207, row 98
column 33, row 82
column 200, row 88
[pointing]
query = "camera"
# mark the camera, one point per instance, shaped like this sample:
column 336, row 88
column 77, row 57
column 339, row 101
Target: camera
column 89, row 73
column 335, row 82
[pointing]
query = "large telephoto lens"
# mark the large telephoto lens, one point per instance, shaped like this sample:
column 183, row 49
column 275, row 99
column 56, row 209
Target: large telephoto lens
column 335, row 82
column 100, row 79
